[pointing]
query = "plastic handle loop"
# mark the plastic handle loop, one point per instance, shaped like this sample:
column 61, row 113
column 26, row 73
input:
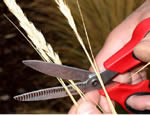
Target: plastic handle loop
column 121, row 92
column 123, row 60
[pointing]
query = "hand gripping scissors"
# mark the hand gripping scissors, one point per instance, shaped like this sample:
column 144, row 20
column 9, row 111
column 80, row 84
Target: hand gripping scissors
column 118, row 63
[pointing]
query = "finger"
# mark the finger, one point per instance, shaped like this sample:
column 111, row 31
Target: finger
column 92, row 96
column 131, row 77
column 139, row 102
column 138, row 77
column 143, row 75
column 128, row 78
column 142, row 51
column 87, row 108
column 105, row 105
column 123, row 78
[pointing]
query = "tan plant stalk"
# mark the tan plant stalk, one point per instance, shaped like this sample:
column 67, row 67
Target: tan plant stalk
column 142, row 68
column 67, row 13
column 37, row 39
column 88, row 40
column 85, row 30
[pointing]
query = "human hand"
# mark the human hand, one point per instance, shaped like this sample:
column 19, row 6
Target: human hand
column 117, row 39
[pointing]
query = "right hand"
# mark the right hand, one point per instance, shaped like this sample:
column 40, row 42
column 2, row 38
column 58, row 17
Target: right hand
column 115, row 41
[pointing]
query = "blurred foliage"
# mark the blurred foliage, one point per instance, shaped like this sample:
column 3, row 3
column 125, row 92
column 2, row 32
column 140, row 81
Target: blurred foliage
column 101, row 16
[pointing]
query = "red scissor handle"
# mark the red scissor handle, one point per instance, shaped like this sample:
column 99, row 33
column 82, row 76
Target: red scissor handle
column 121, row 92
column 123, row 60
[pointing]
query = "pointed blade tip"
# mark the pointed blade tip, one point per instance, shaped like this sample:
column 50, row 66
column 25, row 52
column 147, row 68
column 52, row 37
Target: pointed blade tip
column 26, row 62
column 17, row 98
column 29, row 62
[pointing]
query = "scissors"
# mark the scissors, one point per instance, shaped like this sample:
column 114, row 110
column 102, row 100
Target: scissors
column 120, row 62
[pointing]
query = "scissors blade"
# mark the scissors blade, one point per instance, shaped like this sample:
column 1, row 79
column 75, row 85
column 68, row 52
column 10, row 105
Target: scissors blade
column 58, row 92
column 50, row 93
column 55, row 70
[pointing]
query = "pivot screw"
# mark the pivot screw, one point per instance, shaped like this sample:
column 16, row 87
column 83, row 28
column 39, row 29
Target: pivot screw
column 95, row 83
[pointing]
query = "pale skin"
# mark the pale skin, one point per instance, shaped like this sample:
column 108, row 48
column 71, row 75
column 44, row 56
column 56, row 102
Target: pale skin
column 115, row 40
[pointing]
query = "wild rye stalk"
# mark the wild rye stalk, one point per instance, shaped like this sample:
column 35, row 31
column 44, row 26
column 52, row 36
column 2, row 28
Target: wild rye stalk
column 37, row 40
column 67, row 13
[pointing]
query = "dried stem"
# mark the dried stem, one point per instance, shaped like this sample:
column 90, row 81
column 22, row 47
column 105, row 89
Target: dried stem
column 67, row 13
column 142, row 68
column 36, row 39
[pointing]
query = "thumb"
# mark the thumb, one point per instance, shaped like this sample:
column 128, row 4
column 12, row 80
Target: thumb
column 142, row 50
column 139, row 102
column 87, row 108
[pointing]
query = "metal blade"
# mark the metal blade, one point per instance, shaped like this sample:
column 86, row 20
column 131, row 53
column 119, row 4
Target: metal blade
column 57, row 92
column 50, row 93
column 107, row 75
column 55, row 70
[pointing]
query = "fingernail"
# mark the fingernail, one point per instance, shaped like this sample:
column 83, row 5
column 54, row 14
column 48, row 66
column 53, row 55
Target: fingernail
column 87, row 108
